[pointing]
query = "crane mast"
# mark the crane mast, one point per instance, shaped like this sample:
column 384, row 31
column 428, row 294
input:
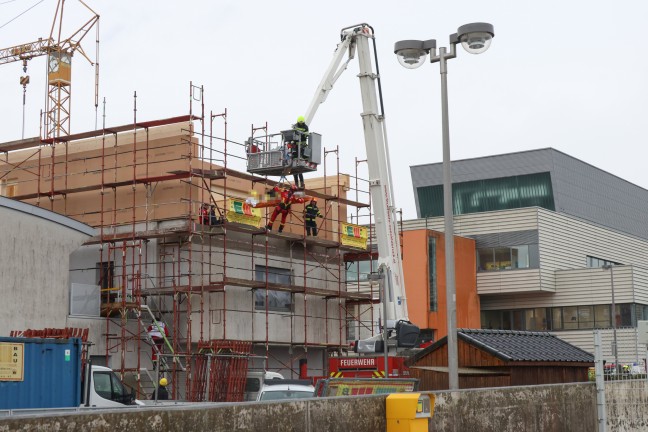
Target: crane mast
column 355, row 40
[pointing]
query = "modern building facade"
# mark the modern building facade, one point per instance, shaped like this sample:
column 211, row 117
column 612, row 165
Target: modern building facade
column 544, row 178
column 558, row 241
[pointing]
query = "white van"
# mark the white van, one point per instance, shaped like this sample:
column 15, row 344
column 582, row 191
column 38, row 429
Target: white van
column 254, row 382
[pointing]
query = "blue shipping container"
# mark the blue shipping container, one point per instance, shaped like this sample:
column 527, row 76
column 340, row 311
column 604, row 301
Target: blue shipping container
column 51, row 373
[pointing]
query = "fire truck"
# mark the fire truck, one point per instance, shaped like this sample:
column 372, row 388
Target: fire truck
column 397, row 332
column 368, row 366
column 273, row 155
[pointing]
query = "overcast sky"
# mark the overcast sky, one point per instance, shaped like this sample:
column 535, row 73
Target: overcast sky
column 571, row 75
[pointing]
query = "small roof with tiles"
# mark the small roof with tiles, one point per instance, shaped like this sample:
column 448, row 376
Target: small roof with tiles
column 514, row 346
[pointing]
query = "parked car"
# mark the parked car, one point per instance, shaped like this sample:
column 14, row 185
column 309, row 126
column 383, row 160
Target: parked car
column 286, row 389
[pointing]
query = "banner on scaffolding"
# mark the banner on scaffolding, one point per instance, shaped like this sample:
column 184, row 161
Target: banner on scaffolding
column 354, row 235
column 241, row 212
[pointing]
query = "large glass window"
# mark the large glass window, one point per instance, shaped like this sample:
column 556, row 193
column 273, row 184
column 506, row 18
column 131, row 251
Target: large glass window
column 359, row 271
column 570, row 318
column 556, row 318
column 583, row 317
column 503, row 258
column 520, row 256
column 491, row 320
column 432, row 283
column 351, row 328
column 277, row 300
column 529, row 190
column 536, row 319
column 518, row 320
column 602, row 316
column 641, row 312
column 624, row 315
column 105, row 280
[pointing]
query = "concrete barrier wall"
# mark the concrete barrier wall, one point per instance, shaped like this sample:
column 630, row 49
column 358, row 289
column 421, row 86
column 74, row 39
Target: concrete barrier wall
column 531, row 409
column 627, row 405
column 358, row 414
column 548, row 408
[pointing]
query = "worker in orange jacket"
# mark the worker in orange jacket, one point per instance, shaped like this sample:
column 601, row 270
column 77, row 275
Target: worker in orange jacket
column 287, row 199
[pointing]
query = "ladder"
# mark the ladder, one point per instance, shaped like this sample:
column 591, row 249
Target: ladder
column 162, row 362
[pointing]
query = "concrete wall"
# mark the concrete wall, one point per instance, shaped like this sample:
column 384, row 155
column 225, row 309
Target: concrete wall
column 534, row 408
column 35, row 250
column 627, row 405
column 531, row 409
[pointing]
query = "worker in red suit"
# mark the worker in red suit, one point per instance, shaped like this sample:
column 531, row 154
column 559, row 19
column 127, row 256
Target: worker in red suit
column 287, row 199
column 203, row 218
column 157, row 331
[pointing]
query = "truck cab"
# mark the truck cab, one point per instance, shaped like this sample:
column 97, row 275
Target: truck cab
column 106, row 390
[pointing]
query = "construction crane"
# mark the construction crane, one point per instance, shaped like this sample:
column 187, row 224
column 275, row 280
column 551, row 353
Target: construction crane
column 59, row 52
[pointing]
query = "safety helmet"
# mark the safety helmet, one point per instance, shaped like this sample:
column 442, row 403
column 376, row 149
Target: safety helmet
column 314, row 199
column 301, row 119
column 164, row 382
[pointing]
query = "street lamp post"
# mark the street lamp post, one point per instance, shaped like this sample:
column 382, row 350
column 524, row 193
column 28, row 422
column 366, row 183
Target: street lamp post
column 475, row 38
column 614, row 326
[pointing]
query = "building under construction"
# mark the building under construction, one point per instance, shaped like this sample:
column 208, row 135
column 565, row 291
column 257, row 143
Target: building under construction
column 179, row 239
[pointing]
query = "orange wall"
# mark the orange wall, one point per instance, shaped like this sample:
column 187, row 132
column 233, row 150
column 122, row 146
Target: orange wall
column 415, row 267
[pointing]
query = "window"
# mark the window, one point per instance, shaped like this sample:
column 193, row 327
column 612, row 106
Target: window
column 280, row 301
column 536, row 319
column 503, row 258
column 556, row 318
column 624, row 315
column 85, row 299
column 105, row 274
column 602, row 316
column 491, row 320
column 570, row 317
column 520, row 256
column 350, row 328
column 530, row 190
column 359, row 271
column 432, row 283
column 518, row 320
column 105, row 280
column 593, row 262
column 642, row 312
column 583, row 317
column 108, row 386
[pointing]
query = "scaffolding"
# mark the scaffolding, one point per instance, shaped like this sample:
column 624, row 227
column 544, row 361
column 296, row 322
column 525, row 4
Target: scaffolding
column 162, row 196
